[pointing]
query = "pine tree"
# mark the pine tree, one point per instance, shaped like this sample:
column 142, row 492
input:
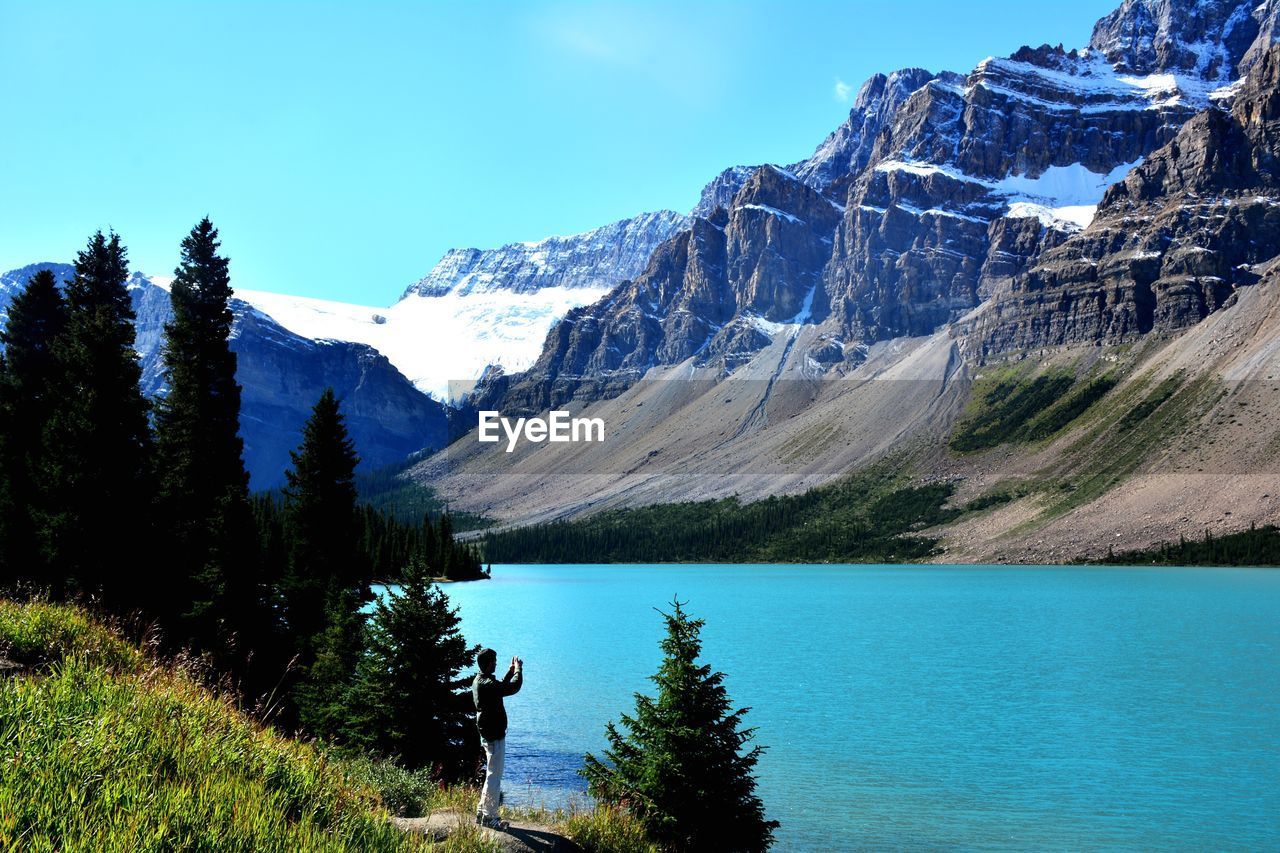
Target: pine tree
column 203, row 485
column 321, row 525
column 98, row 443
column 29, row 383
column 445, row 545
column 327, row 574
column 409, row 701
column 680, row 766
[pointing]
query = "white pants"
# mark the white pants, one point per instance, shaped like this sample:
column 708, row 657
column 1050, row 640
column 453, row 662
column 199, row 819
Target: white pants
column 495, row 752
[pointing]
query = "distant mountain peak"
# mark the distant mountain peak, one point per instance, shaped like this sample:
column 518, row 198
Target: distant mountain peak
column 1209, row 38
column 597, row 258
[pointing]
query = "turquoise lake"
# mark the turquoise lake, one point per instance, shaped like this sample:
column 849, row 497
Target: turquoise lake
column 928, row 707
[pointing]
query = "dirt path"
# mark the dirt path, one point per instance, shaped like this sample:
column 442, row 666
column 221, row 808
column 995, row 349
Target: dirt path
column 520, row 837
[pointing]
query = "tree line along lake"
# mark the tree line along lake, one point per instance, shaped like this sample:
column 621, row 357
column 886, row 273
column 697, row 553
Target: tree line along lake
column 928, row 707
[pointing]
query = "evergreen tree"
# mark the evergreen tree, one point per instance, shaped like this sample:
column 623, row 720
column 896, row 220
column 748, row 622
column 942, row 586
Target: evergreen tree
column 321, row 524
column 409, row 701
column 328, row 572
column 98, row 443
column 680, row 767
column 203, row 485
column 444, row 545
column 30, row 378
column 323, row 696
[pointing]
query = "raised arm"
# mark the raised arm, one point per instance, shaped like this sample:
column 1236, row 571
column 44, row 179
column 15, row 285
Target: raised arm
column 514, row 679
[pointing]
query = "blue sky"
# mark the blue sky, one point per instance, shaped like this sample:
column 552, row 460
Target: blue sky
column 342, row 147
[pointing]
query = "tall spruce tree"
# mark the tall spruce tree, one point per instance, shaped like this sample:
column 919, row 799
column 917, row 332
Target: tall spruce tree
column 98, row 441
column 203, row 485
column 680, row 766
column 328, row 574
column 409, row 700
column 321, row 521
column 29, row 384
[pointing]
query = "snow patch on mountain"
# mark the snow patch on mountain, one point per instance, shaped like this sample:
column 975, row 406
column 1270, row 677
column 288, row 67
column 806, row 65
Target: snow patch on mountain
column 1090, row 84
column 1060, row 196
column 1065, row 218
column 435, row 340
column 792, row 326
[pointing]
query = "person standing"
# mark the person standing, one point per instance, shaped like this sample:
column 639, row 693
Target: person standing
column 487, row 692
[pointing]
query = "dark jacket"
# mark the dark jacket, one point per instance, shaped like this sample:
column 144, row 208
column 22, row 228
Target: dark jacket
column 487, row 693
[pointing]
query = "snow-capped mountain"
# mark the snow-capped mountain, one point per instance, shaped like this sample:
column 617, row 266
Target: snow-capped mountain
column 1107, row 216
column 438, row 340
column 282, row 375
column 481, row 308
column 596, row 259
column 934, row 194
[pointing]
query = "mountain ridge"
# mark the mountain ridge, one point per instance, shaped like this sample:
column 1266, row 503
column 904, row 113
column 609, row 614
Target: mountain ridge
column 969, row 193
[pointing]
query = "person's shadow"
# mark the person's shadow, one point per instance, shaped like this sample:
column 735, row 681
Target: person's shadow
column 539, row 840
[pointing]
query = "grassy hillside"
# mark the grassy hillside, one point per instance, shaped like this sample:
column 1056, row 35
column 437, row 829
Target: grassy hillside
column 104, row 748
column 101, row 749
column 1067, row 433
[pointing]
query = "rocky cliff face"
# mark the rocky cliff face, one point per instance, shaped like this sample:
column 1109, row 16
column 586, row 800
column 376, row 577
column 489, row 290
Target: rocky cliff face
column 716, row 293
column 1039, row 135
column 1214, row 40
column 282, row 375
column 945, row 188
column 848, row 149
column 721, row 189
column 599, row 258
column 1171, row 243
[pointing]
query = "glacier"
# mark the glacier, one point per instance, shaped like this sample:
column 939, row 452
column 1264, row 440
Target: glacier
column 435, row 340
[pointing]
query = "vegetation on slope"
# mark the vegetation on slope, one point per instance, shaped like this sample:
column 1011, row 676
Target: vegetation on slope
column 1257, row 546
column 103, row 749
column 152, row 521
column 1009, row 406
column 34, row 635
column 871, row 517
column 1127, row 428
column 387, row 492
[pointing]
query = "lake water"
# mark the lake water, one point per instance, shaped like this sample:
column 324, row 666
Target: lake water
column 929, row 707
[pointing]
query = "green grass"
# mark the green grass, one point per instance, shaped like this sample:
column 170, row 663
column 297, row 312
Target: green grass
column 595, row 828
column 1121, row 442
column 102, row 749
column 1003, row 404
column 90, row 758
column 1067, row 409
column 37, row 634
column 1149, row 404
column 404, row 792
